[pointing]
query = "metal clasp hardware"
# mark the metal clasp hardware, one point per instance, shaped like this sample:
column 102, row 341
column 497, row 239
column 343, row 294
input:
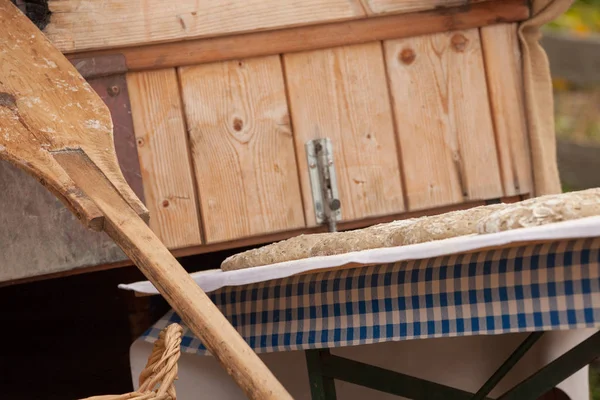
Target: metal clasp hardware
column 323, row 182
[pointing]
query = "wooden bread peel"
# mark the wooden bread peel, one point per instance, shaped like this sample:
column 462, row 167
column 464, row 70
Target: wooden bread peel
column 55, row 127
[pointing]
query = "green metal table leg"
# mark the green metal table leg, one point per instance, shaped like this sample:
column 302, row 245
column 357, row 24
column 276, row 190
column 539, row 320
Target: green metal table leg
column 557, row 371
column 510, row 362
column 321, row 387
column 323, row 368
column 388, row 381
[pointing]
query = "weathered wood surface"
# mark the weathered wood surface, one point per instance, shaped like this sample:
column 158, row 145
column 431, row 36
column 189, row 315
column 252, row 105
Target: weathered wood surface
column 342, row 94
column 443, row 119
column 242, row 148
column 164, row 157
column 33, row 122
column 196, row 51
column 505, row 85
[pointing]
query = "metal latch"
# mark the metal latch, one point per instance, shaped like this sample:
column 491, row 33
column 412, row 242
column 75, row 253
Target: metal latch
column 323, row 182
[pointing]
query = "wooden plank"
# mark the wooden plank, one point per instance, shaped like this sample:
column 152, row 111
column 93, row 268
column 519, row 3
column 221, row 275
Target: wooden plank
column 443, row 119
column 191, row 52
column 77, row 26
column 163, row 153
column 502, row 56
column 341, row 94
column 242, row 148
column 374, row 7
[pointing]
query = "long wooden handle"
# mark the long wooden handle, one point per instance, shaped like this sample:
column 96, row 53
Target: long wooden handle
column 194, row 307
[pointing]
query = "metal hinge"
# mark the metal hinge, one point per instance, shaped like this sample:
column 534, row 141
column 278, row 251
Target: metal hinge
column 323, row 182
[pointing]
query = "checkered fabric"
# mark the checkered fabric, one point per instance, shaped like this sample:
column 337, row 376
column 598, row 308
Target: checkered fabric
column 539, row 287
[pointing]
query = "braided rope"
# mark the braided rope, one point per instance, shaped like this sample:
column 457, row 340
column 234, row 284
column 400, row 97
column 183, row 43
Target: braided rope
column 158, row 377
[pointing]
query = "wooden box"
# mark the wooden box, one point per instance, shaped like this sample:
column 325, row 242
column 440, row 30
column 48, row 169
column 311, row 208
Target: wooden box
column 213, row 103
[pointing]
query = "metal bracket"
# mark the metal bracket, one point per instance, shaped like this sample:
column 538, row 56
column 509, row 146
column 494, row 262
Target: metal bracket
column 323, row 182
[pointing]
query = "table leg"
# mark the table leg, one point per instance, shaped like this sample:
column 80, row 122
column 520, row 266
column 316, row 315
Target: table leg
column 557, row 371
column 508, row 365
column 321, row 387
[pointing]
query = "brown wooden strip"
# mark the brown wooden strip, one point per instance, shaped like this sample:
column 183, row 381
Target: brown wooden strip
column 505, row 84
column 113, row 91
column 242, row 148
column 288, row 40
column 443, row 119
column 341, row 94
column 163, row 156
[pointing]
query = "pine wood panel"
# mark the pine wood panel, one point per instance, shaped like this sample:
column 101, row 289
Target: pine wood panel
column 403, row 6
column 76, row 25
column 443, row 118
column 242, row 148
column 505, row 84
column 341, row 93
column 163, row 154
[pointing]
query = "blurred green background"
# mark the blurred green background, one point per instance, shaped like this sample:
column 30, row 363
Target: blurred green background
column 582, row 19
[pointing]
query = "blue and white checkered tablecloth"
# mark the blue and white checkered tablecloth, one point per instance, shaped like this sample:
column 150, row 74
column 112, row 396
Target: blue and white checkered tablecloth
column 547, row 286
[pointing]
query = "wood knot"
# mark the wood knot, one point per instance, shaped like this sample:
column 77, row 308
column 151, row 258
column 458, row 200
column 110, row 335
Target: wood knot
column 165, row 203
column 407, row 56
column 459, row 42
column 238, row 124
column 7, row 100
